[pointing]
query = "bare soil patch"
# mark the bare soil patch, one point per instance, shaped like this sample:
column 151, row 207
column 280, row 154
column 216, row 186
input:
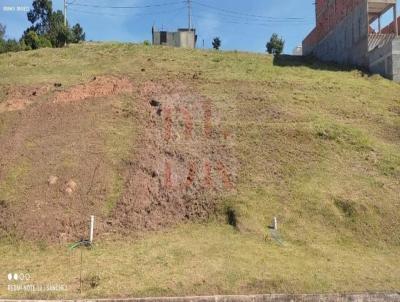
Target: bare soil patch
column 60, row 147
column 14, row 104
column 181, row 164
column 184, row 160
column 100, row 86
column 19, row 97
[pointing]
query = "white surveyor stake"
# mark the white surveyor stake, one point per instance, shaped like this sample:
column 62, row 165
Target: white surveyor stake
column 91, row 227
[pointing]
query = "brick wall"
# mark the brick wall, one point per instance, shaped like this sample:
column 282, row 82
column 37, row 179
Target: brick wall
column 390, row 28
column 329, row 14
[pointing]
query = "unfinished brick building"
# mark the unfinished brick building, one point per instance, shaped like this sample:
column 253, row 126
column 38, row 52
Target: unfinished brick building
column 344, row 34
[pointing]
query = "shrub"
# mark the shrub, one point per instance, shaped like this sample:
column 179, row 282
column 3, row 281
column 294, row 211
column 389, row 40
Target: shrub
column 31, row 40
column 9, row 45
column 44, row 42
column 77, row 33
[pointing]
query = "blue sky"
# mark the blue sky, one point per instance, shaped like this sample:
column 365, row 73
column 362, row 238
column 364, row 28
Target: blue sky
column 242, row 24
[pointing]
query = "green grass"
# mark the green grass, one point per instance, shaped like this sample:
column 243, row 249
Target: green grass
column 15, row 181
column 316, row 146
column 116, row 191
column 213, row 259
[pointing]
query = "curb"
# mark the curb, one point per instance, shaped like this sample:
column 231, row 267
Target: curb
column 365, row 297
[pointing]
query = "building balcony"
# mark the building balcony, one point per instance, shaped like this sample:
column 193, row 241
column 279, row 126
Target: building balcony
column 377, row 8
column 379, row 40
column 381, row 36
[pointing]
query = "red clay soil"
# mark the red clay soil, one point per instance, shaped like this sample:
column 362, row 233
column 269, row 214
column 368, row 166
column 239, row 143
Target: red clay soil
column 183, row 161
column 100, row 86
column 17, row 98
column 46, row 140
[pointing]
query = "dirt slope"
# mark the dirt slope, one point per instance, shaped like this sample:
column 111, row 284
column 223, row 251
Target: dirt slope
column 180, row 162
column 185, row 157
column 183, row 160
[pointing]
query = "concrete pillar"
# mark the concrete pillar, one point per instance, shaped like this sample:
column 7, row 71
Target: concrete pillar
column 379, row 24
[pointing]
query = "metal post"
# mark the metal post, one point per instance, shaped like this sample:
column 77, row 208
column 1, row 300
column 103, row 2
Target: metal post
column 275, row 224
column 91, row 227
column 190, row 14
column 396, row 27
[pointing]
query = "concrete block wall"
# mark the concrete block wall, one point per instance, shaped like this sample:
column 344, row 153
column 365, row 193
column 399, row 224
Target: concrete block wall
column 176, row 39
column 386, row 60
column 395, row 60
column 156, row 38
column 379, row 60
column 172, row 38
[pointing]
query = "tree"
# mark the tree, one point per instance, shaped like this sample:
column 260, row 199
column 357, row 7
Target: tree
column 62, row 37
column 2, row 31
column 58, row 33
column 44, row 42
column 216, row 43
column 9, row 45
column 275, row 45
column 77, row 33
column 2, row 46
column 49, row 26
column 31, row 40
column 40, row 16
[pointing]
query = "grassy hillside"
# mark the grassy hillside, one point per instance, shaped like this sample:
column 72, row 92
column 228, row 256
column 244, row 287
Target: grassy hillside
column 313, row 145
